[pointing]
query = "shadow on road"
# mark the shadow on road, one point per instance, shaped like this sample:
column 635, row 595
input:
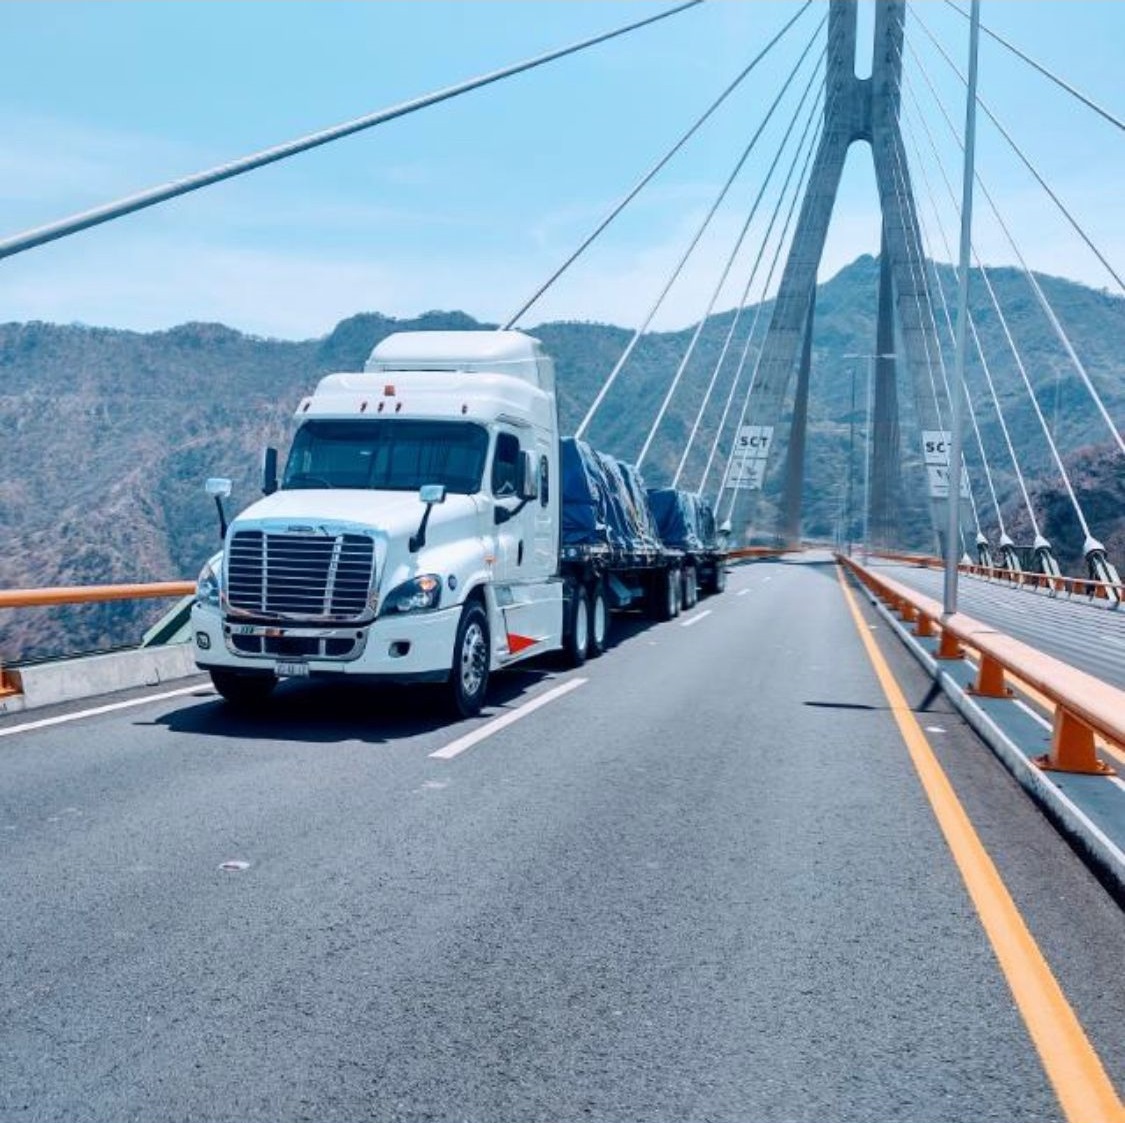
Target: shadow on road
column 343, row 711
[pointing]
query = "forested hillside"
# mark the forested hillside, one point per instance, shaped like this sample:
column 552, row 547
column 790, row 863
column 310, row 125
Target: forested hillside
column 108, row 435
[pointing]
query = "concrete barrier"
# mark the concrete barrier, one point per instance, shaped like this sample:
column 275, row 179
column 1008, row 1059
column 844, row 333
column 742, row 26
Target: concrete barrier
column 67, row 680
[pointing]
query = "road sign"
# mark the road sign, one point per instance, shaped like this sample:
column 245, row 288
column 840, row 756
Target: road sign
column 935, row 451
column 939, row 481
column 748, row 462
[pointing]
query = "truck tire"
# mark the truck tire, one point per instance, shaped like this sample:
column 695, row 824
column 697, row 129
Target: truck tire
column 690, row 587
column 719, row 583
column 576, row 632
column 666, row 594
column 468, row 677
column 243, row 691
column 599, row 620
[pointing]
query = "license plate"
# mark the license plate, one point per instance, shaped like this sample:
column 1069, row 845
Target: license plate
column 292, row 670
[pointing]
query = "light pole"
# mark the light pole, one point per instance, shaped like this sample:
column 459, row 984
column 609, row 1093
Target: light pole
column 868, row 442
column 949, row 587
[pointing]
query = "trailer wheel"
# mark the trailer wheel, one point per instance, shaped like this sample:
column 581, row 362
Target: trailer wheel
column 468, row 677
column 667, row 593
column 243, row 691
column 599, row 620
column 720, row 580
column 576, row 634
column 691, row 587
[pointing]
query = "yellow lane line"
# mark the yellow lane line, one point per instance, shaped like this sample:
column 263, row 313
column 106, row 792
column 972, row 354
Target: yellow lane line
column 1084, row 1090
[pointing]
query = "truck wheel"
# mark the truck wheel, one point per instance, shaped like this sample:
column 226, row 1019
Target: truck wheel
column 666, row 586
column 720, row 581
column 691, row 587
column 468, row 678
column 243, row 691
column 576, row 634
column 676, row 583
column 599, row 620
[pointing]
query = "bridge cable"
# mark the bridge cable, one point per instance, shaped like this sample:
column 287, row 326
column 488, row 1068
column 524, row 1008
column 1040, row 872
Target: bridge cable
column 649, row 175
column 1008, row 337
column 132, row 203
column 798, row 194
column 744, row 301
column 912, row 249
column 736, row 318
column 1062, row 83
column 1023, row 156
column 901, row 182
column 732, row 256
column 612, row 377
column 937, row 282
column 972, row 321
column 1036, row 288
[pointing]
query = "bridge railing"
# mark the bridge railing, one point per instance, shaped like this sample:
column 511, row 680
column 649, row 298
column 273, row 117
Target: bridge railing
column 84, row 594
column 1073, row 586
column 1085, row 707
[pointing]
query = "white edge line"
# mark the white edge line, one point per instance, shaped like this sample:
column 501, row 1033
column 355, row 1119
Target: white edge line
column 455, row 748
column 696, row 618
column 1038, row 718
column 42, row 723
column 742, row 592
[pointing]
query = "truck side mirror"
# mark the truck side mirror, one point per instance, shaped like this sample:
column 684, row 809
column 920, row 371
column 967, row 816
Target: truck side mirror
column 428, row 494
column 219, row 489
column 269, row 470
column 529, row 477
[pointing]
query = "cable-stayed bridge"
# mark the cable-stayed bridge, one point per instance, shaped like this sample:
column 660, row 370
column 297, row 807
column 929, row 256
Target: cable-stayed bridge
column 765, row 860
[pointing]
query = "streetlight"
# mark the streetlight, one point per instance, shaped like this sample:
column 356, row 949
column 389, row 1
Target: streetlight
column 949, row 585
column 868, row 442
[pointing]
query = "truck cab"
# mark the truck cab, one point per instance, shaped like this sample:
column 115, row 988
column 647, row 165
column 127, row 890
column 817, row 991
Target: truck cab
column 413, row 534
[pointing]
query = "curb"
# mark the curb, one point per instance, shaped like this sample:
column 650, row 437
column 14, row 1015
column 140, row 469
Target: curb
column 69, row 680
column 1105, row 859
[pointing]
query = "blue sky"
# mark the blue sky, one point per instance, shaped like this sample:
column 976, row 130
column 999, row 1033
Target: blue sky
column 471, row 204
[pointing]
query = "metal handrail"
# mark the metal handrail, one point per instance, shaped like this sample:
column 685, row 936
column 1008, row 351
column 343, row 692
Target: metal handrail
column 1085, row 586
column 92, row 594
column 82, row 594
column 1083, row 704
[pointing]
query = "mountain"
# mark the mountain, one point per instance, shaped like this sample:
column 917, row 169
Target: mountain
column 108, row 435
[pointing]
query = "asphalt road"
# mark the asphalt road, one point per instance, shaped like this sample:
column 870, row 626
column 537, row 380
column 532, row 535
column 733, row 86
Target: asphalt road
column 1087, row 634
column 703, row 884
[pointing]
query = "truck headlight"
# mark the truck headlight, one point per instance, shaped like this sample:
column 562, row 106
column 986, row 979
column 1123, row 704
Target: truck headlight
column 207, row 587
column 421, row 593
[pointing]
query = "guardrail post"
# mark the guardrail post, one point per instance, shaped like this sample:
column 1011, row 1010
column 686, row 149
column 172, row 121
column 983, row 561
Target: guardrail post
column 990, row 680
column 949, row 648
column 1072, row 747
column 924, row 626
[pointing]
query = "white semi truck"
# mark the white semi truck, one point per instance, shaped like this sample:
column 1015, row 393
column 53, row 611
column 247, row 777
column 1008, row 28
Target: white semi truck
column 415, row 533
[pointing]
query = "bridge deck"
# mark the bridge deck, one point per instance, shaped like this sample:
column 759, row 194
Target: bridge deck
column 1089, row 635
column 705, row 883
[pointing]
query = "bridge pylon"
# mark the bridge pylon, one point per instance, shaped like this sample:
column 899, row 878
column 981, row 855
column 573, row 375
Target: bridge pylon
column 856, row 110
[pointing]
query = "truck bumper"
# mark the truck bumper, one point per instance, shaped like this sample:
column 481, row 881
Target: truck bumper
column 412, row 648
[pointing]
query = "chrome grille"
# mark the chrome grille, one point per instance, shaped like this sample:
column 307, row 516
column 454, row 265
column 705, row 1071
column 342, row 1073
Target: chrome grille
column 300, row 576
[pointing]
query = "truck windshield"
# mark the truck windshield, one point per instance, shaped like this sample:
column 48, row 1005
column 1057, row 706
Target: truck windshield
column 388, row 455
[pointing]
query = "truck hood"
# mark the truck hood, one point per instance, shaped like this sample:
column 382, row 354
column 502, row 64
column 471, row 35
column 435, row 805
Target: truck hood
column 390, row 514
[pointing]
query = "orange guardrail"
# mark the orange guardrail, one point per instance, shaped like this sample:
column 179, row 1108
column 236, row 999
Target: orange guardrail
column 762, row 551
column 927, row 561
column 1084, row 705
column 83, row 594
column 91, row 594
column 1083, row 586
